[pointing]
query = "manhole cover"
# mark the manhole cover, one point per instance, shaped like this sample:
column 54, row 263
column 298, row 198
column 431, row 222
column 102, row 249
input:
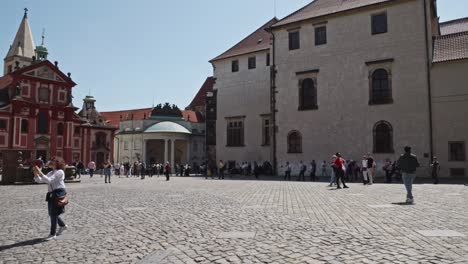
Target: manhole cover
column 236, row 234
column 440, row 233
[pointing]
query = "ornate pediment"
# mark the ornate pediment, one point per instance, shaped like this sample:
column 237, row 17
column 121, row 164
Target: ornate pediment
column 45, row 72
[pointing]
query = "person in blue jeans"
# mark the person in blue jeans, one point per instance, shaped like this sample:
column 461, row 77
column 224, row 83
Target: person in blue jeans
column 408, row 163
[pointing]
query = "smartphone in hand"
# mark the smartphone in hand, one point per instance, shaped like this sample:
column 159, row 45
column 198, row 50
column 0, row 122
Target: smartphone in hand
column 38, row 163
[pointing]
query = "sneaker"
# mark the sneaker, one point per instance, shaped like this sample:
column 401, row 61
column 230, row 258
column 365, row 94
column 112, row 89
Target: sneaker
column 61, row 229
column 346, row 187
column 50, row 237
column 338, row 188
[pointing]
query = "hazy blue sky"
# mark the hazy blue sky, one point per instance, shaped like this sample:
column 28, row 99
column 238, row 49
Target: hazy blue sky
column 127, row 51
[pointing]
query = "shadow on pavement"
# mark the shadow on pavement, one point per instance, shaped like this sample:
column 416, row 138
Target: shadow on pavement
column 23, row 243
column 403, row 203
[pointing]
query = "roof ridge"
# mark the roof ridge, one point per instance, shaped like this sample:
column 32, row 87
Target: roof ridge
column 297, row 11
column 453, row 20
column 138, row 109
column 452, row 34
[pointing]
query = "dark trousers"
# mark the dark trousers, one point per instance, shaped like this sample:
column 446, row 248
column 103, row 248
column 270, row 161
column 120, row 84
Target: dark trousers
column 388, row 176
column 312, row 176
column 287, row 176
column 340, row 175
column 54, row 218
column 91, row 173
column 435, row 176
column 167, row 176
column 301, row 176
column 220, row 174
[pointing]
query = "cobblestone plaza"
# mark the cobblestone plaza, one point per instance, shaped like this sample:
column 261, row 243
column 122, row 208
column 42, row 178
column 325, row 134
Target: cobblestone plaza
column 193, row 220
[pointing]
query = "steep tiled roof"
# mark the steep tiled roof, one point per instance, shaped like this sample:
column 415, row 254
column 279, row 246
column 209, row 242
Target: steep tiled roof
column 137, row 114
column 454, row 26
column 320, row 8
column 257, row 41
column 5, row 81
column 199, row 99
column 193, row 116
column 451, row 47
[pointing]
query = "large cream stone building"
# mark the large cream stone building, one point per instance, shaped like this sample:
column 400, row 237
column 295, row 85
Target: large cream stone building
column 356, row 77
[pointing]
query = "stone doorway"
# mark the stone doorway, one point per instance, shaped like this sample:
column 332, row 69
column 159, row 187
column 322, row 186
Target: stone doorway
column 155, row 151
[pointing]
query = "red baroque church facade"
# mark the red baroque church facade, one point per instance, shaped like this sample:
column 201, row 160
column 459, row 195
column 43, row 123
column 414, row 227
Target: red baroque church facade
column 37, row 115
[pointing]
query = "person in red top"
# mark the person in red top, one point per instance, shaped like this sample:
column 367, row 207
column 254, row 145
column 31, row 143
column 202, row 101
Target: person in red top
column 340, row 171
column 167, row 170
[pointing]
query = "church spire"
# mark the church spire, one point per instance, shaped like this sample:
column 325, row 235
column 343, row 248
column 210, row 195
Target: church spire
column 22, row 50
column 23, row 45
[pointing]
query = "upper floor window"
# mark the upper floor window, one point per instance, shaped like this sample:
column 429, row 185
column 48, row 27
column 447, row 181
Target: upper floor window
column 235, row 66
column 383, row 137
column 307, row 95
column 60, row 129
column 44, row 94
column 379, row 23
column 24, row 126
column 268, row 59
column 294, row 142
column 266, row 131
column 235, row 133
column 320, row 35
column 252, row 63
column 77, row 131
column 3, row 124
column 381, row 92
column 294, row 40
column 457, row 151
column 42, row 123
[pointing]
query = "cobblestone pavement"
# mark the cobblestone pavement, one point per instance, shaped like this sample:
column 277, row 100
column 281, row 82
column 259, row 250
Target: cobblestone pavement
column 193, row 220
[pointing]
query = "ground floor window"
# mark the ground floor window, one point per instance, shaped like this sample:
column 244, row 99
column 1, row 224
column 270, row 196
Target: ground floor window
column 294, row 142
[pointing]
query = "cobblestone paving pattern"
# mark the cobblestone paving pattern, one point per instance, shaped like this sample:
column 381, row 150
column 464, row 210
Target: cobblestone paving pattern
column 193, row 220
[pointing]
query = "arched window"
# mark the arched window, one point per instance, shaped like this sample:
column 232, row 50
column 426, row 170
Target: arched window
column 308, row 95
column 42, row 123
column 60, row 129
column 24, row 126
column 383, row 137
column 294, row 142
column 380, row 87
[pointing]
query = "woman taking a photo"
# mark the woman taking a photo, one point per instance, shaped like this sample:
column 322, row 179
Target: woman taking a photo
column 56, row 192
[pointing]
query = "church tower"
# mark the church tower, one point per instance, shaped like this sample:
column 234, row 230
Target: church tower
column 22, row 50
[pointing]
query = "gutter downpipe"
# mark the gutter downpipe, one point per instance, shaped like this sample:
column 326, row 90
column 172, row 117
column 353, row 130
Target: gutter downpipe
column 429, row 83
column 273, row 127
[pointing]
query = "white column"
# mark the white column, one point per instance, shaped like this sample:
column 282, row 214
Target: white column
column 143, row 154
column 172, row 153
column 165, row 151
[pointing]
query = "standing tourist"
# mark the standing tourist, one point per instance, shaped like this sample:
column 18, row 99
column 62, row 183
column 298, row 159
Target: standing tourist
column 370, row 168
column 302, row 170
column 167, row 170
column 364, row 170
column 313, row 169
column 56, row 192
column 435, row 169
column 221, row 170
column 408, row 163
column 287, row 174
column 340, row 171
column 91, row 168
column 388, row 171
column 324, row 169
column 333, row 172
column 107, row 169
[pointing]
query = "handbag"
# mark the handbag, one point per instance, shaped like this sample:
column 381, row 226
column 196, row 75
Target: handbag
column 62, row 200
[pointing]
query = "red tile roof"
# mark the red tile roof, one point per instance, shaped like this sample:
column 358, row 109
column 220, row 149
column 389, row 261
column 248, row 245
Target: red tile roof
column 193, row 116
column 451, row 47
column 257, row 41
column 454, row 26
column 320, row 8
column 5, row 81
column 199, row 99
column 135, row 114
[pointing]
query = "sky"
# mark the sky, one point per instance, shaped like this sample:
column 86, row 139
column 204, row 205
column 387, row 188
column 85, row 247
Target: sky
column 131, row 53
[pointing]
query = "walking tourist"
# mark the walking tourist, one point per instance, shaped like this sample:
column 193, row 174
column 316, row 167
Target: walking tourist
column 313, row 169
column 324, row 172
column 302, row 170
column 56, row 194
column 370, row 168
column 435, row 169
column 91, row 168
column 107, row 169
column 221, row 170
column 388, row 171
column 340, row 171
column 333, row 171
column 167, row 170
column 408, row 163
column 287, row 174
column 365, row 170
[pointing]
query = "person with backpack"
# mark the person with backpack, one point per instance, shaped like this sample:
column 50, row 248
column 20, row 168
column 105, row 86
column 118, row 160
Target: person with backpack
column 302, row 170
column 56, row 197
column 167, row 170
column 408, row 163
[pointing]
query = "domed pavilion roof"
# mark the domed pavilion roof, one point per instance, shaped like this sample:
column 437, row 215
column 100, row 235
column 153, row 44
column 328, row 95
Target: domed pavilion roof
column 167, row 127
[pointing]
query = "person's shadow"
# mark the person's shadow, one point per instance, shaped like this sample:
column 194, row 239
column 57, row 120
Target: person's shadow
column 403, row 203
column 22, row 244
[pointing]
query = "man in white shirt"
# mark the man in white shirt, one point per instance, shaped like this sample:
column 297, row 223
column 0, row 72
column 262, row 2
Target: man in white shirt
column 91, row 168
